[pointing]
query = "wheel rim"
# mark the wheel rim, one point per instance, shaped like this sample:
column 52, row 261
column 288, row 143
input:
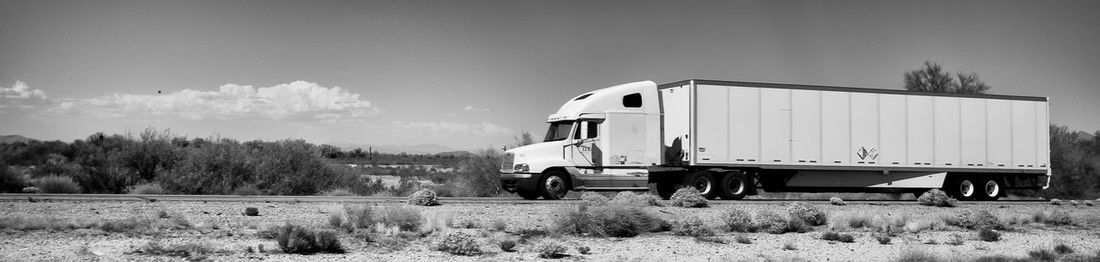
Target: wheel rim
column 966, row 188
column 736, row 186
column 702, row 184
column 992, row 189
column 555, row 185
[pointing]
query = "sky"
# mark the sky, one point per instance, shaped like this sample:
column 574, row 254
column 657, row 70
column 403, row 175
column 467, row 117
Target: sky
column 474, row 74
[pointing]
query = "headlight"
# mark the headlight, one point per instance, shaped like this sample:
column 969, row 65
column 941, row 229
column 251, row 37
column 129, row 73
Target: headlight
column 521, row 168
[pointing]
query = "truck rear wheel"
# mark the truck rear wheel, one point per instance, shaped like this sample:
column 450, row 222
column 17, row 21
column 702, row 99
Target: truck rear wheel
column 553, row 185
column 733, row 186
column 665, row 188
column 990, row 189
column 963, row 188
column 702, row 181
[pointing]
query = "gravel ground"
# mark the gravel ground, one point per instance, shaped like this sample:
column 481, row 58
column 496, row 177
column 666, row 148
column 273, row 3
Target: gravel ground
column 222, row 226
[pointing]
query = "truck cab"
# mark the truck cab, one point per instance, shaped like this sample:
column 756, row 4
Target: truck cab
column 600, row 140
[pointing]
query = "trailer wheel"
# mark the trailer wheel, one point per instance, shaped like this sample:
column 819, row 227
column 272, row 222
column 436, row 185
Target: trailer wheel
column 553, row 185
column 702, row 181
column 990, row 189
column 528, row 195
column 964, row 188
column 733, row 186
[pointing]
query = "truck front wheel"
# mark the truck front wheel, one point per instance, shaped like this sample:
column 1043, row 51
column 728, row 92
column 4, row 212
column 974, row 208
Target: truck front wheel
column 733, row 186
column 553, row 185
column 702, row 181
column 527, row 195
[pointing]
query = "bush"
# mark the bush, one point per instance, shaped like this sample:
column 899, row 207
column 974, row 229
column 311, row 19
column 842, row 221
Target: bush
column 458, row 243
column 594, row 199
column 191, row 251
column 1056, row 202
column 1059, row 218
column 988, row 235
column 11, row 182
column 627, row 198
column 688, row 197
column 806, row 213
column 798, row 226
column 859, row 221
column 737, row 220
column 1042, row 255
column 956, row 240
column 147, row 189
column 771, row 222
column 423, row 197
column 336, row 220
column 833, row 236
column 883, row 239
column 338, row 192
column 975, row 220
column 608, row 221
column 294, row 239
column 247, row 190
column 498, row 225
column 692, row 227
column 583, row 250
column 743, row 239
column 251, row 211
column 836, row 201
column 57, row 185
column 406, row 219
column 938, row 198
column 551, row 250
column 359, row 216
column 508, row 246
column 1063, row 249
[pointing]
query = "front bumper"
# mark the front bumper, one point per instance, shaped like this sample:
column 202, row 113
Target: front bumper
column 513, row 181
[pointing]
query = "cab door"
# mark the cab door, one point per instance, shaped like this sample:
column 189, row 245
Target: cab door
column 586, row 154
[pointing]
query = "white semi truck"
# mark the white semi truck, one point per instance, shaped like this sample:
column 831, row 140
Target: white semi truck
column 727, row 139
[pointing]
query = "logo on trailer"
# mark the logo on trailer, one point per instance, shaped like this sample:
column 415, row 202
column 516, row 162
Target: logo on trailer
column 863, row 153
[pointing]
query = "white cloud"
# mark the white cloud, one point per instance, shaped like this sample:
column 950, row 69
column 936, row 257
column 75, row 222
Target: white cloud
column 299, row 100
column 21, row 96
column 475, row 109
column 449, row 129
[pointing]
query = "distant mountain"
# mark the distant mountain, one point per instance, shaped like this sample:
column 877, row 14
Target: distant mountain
column 397, row 149
column 459, row 153
column 4, row 139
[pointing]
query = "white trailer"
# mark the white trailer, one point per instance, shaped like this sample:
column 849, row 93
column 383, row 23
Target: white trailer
column 729, row 138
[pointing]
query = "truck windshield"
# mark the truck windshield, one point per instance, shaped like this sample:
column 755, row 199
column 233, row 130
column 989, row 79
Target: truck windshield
column 558, row 131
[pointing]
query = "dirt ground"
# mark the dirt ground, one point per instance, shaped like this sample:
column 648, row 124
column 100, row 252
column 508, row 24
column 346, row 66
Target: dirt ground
column 236, row 237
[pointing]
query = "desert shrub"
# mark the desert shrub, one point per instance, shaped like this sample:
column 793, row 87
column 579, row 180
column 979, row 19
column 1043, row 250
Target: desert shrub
column 508, row 245
column 247, row 190
column 458, row 243
column 478, row 176
column 627, row 198
column 1059, row 218
column 859, row 221
column 191, row 251
column 737, row 220
column 583, row 250
column 608, row 221
column 798, row 226
column 10, row 181
column 692, row 227
column 1042, row 255
column 498, row 225
column 336, row 220
column 836, row 201
column 127, row 225
column 883, row 239
column 359, row 216
column 969, row 219
column 251, row 211
column 147, row 189
column 956, row 240
column 464, row 223
column 770, row 222
column 423, row 197
column 833, row 236
column 1056, row 202
column 1063, row 249
column 57, row 185
column 742, row 239
column 988, row 235
column 938, row 198
column 806, row 213
column 293, row 239
column 338, row 192
column 594, row 199
column 406, row 219
column 551, row 250
column 688, row 197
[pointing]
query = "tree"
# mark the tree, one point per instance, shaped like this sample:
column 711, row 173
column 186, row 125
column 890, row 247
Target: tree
column 932, row 78
column 524, row 139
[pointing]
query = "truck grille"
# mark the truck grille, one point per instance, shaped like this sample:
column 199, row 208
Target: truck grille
column 507, row 161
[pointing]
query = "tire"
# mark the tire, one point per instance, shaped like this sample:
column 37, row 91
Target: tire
column 990, row 189
column 702, row 181
column 963, row 188
column 528, row 195
column 553, row 185
column 917, row 193
column 666, row 188
column 733, row 186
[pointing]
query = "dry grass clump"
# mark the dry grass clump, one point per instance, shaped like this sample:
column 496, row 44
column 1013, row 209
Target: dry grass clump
column 594, row 199
column 883, row 239
column 743, row 239
column 293, row 239
column 969, row 219
column 190, row 251
column 147, row 189
column 57, row 185
column 688, row 197
column 627, row 198
column 498, row 224
column 583, row 250
column 608, row 221
column 938, row 198
column 989, row 235
column 339, row 192
column 916, row 255
column 458, row 243
column 737, row 220
column 1055, row 218
column 1056, row 202
column 693, row 227
column 770, row 222
column 405, row 219
column 551, row 250
column 251, row 211
column 508, row 245
column 807, row 213
column 833, row 236
column 836, row 201
column 423, row 197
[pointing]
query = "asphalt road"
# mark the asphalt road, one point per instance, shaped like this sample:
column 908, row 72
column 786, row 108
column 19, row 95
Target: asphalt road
column 444, row 200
